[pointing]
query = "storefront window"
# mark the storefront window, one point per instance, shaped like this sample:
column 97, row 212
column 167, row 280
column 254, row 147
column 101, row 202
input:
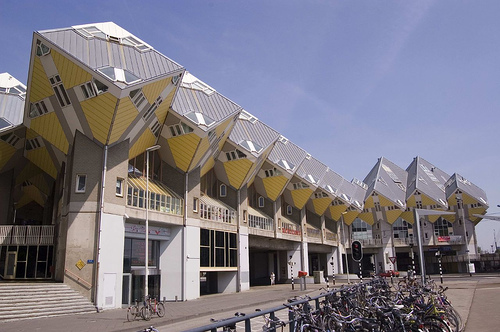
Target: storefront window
column 135, row 252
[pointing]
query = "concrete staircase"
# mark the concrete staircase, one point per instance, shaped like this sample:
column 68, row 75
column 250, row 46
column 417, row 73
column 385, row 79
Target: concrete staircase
column 34, row 300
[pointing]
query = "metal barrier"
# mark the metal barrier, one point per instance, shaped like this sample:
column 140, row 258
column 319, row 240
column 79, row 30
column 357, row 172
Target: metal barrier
column 271, row 312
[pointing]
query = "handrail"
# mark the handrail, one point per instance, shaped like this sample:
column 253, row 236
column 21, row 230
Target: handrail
column 73, row 275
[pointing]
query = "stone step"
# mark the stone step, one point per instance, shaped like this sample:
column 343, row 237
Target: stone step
column 34, row 300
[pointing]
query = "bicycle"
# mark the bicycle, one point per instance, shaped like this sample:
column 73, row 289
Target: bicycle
column 272, row 323
column 134, row 311
column 149, row 329
column 230, row 327
column 152, row 306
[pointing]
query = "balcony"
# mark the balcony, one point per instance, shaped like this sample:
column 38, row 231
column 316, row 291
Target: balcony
column 331, row 237
column 161, row 198
column 259, row 223
column 290, row 230
column 370, row 243
column 27, row 235
column 213, row 210
column 313, row 235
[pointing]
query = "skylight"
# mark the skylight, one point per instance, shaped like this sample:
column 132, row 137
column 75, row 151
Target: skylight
column 17, row 90
column 4, row 123
column 251, row 146
column 311, row 178
column 200, row 118
column 244, row 115
column 330, row 189
column 118, row 74
column 286, row 164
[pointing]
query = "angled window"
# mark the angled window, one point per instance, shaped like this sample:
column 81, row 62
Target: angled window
column 60, row 91
column 196, row 204
column 222, row 190
column 283, row 140
column 81, row 183
column 235, row 154
column 272, row 172
column 138, row 98
column 320, row 195
column 261, row 201
column 311, row 178
column 92, row 88
column 38, row 109
column 33, row 144
column 156, row 127
column 11, row 138
column 131, row 41
column 300, row 185
column 119, row 74
column 330, row 189
column 180, row 129
column 41, row 48
column 289, row 210
column 152, row 109
column 91, row 31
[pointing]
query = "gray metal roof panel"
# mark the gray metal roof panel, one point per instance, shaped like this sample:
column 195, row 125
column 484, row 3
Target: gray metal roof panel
column 96, row 53
column 216, row 106
column 11, row 108
column 287, row 150
column 331, row 182
column 389, row 180
column 312, row 170
column 428, row 179
column 457, row 181
column 256, row 131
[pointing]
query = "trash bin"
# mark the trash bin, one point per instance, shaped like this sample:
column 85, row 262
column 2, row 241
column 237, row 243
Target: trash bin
column 318, row 277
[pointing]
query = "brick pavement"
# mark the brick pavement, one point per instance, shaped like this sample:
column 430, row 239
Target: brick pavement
column 201, row 310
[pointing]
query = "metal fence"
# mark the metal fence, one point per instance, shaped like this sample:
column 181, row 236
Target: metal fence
column 26, row 235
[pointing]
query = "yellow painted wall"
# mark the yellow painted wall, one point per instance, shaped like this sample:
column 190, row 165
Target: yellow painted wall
column 41, row 158
column 321, row 204
column 146, row 140
column 337, row 210
column 40, row 87
column 70, row 73
column 153, row 90
column 393, row 215
column 99, row 113
column 350, row 216
column 236, row 171
column 366, row 217
column 300, row 197
column 183, row 149
column 49, row 127
column 125, row 114
column 274, row 185
column 408, row 216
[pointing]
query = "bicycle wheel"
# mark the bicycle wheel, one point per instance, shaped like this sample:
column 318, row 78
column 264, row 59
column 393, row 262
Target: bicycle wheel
column 146, row 313
column 160, row 310
column 132, row 313
column 436, row 324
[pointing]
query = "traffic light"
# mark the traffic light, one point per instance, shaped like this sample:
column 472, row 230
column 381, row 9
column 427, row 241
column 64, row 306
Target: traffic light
column 357, row 251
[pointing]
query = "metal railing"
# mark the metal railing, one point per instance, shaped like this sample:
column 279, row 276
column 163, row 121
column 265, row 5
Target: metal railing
column 27, row 235
column 260, row 222
column 77, row 278
column 289, row 228
column 216, row 213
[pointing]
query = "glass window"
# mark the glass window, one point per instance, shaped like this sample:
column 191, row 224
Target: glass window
column 361, row 230
column 81, row 181
column 119, row 187
column 223, row 190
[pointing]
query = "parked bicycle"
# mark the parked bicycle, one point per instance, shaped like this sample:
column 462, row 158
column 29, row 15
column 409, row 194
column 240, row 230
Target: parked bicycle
column 134, row 312
column 151, row 307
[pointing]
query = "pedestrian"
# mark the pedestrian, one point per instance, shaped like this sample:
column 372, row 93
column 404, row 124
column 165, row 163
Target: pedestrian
column 273, row 278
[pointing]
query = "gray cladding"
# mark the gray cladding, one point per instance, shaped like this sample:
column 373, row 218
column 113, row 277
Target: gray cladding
column 11, row 108
column 215, row 105
column 96, row 53
column 457, row 181
column 388, row 180
column 312, row 170
column 286, row 150
column 256, row 131
column 427, row 179
column 331, row 182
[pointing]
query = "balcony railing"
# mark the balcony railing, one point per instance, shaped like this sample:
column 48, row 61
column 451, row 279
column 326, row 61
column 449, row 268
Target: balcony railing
column 450, row 239
column 290, row 228
column 217, row 213
column 260, row 222
column 330, row 236
column 27, row 235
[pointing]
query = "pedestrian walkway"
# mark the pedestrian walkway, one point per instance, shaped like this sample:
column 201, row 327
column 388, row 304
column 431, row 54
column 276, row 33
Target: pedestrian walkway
column 181, row 316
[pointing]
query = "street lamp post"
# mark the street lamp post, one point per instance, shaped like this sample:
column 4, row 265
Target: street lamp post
column 146, row 258
column 343, row 237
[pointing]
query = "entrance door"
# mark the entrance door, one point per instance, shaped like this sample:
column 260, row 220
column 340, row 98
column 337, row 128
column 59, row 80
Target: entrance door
column 10, row 265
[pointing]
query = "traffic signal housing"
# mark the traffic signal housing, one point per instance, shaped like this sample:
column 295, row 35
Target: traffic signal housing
column 357, row 251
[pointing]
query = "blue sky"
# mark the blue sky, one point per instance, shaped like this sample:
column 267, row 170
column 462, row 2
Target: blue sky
column 348, row 81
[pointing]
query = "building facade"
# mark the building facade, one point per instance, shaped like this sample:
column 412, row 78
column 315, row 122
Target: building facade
column 126, row 174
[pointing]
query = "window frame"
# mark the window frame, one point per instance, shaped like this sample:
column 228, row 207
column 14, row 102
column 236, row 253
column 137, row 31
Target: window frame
column 223, row 190
column 78, row 190
column 122, row 182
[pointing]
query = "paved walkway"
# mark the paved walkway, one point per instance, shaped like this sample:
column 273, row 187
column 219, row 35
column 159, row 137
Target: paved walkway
column 181, row 316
